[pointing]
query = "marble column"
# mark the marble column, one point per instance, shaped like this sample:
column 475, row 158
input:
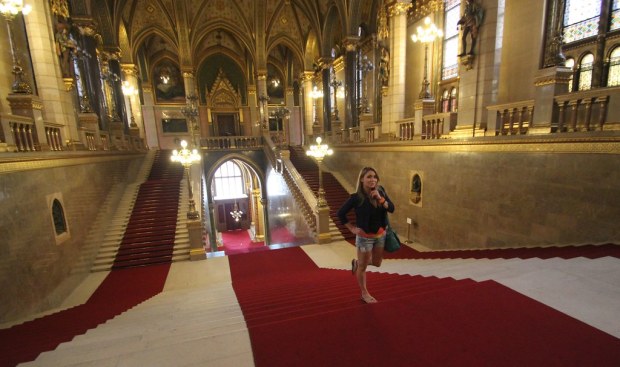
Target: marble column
column 394, row 102
column 58, row 105
column 351, row 113
column 306, row 81
column 263, row 100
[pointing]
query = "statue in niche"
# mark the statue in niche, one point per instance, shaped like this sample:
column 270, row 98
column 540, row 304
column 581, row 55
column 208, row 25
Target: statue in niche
column 66, row 48
column 416, row 189
column 470, row 25
column 384, row 66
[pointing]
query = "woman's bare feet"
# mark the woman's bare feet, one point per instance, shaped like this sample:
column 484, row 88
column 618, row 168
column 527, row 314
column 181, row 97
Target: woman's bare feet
column 368, row 299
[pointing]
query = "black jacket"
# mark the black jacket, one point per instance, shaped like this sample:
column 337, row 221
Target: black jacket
column 362, row 212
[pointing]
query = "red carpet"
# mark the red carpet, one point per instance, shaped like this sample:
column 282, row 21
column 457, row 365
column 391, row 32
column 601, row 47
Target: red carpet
column 239, row 242
column 120, row 291
column 300, row 315
column 150, row 233
column 566, row 252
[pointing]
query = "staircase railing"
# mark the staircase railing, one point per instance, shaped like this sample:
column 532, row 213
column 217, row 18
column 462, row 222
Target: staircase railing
column 303, row 196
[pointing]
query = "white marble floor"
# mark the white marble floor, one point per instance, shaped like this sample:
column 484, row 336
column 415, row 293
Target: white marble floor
column 173, row 329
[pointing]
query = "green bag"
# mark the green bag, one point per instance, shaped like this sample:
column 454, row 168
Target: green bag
column 392, row 242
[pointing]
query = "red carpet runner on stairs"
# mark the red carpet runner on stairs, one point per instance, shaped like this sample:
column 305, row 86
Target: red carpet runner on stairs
column 149, row 237
column 300, row 315
column 148, row 240
column 120, row 291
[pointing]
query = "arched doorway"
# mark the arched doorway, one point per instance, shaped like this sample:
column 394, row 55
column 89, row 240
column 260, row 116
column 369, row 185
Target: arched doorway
column 236, row 206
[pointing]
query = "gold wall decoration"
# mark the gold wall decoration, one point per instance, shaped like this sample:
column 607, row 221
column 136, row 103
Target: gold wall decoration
column 60, row 8
column 398, row 8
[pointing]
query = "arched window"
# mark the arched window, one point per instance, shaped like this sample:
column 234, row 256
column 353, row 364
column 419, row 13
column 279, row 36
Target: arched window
column 613, row 78
column 581, row 19
column 58, row 216
column 451, row 40
column 445, row 101
column 228, row 182
column 570, row 63
column 453, row 100
column 585, row 72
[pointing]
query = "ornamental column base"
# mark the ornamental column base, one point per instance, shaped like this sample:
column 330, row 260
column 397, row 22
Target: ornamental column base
column 196, row 247
column 322, row 225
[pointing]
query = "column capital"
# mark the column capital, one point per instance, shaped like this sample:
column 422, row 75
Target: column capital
column 399, row 7
column 130, row 70
column 306, row 76
column 350, row 43
column 86, row 25
column 325, row 62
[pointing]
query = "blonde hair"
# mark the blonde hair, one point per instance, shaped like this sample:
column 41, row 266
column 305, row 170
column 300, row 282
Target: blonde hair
column 360, row 188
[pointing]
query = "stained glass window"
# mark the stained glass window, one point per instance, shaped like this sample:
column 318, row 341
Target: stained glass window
column 615, row 16
column 581, row 19
column 585, row 72
column 228, row 181
column 445, row 101
column 453, row 101
column 450, row 43
column 570, row 63
column 613, row 79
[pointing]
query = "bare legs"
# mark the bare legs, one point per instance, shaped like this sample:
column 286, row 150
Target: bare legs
column 363, row 260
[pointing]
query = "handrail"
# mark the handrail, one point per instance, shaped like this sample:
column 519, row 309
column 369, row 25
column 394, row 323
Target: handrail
column 577, row 109
column 512, row 118
column 293, row 179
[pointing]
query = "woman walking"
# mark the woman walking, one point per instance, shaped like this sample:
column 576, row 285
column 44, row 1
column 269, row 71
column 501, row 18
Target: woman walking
column 371, row 205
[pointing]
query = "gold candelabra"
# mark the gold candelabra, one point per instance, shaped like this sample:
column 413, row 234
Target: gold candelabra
column 315, row 94
column 318, row 151
column 9, row 9
column 425, row 35
column 129, row 90
column 187, row 158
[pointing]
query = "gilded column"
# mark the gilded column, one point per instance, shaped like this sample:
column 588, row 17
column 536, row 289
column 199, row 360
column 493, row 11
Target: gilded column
column 257, row 221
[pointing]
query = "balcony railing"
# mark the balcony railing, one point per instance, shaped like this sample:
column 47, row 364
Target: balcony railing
column 511, row 118
column 231, row 142
column 588, row 110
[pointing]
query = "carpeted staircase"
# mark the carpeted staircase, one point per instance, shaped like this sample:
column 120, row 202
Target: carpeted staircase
column 150, row 233
column 335, row 194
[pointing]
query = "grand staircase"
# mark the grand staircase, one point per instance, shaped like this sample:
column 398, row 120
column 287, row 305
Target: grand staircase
column 335, row 194
column 146, row 228
column 149, row 236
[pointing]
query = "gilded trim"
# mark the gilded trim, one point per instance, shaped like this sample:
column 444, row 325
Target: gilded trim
column 398, row 8
column 30, row 162
column 609, row 145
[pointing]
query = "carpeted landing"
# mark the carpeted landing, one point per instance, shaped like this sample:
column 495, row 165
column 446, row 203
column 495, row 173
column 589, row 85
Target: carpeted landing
column 300, row 315
column 278, row 308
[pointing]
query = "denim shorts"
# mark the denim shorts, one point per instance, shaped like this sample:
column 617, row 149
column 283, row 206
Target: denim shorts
column 367, row 244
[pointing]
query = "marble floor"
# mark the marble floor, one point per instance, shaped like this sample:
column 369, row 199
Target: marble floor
column 173, row 330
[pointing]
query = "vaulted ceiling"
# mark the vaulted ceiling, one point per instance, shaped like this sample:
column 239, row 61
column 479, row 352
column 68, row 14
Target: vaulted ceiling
column 288, row 35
